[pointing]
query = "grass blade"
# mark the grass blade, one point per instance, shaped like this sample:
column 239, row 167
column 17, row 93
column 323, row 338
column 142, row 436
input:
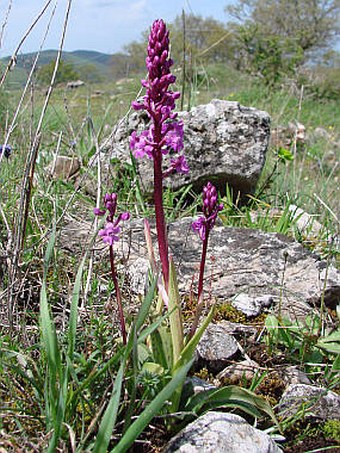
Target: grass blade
column 151, row 410
column 74, row 310
column 109, row 418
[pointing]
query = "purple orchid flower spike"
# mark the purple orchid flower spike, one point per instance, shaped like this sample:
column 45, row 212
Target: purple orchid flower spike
column 110, row 233
column 203, row 226
column 165, row 133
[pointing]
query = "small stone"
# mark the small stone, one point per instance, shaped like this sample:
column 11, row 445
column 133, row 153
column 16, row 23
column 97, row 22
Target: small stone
column 199, row 385
column 292, row 375
column 251, row 306
column 65, row 167
column 320, row 132
column 216, row 348
column 306, row 223
column 239, row 371
column 218, row 432
column 138, row 273
column 316, row 402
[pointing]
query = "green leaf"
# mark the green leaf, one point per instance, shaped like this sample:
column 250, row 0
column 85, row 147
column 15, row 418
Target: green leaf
column 176, row 323
column 145, row 307
column 49, row 250
column 330, row 343
column 285, row 155
column 189, row 349
column 230, row 396
column 159, row 353
column 336, row 363
column 109, row 418
column 72, row 330
column 187, row 355
column 152, row 367
column 49, row 337
column 151, row 410
column 147, row 331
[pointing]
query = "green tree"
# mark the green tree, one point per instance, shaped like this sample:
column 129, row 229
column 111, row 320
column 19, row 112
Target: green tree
column 312, row 24
column 136, row 54
column 274, row 37
column 66, row 72
column 89, row 73
column 206, row 39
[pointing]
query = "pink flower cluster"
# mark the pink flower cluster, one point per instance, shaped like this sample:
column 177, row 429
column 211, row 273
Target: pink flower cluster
column 204, row 224
column 165, row 132
column 110, row 233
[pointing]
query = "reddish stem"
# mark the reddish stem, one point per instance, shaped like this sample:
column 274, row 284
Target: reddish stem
column 160, row 218
column 118, row 296
column 200, row 302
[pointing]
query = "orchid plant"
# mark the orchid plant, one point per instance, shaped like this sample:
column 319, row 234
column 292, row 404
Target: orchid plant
column 164, row 137
column 169, row 353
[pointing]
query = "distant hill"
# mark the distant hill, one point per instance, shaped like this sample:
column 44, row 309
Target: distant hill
column 92, row 66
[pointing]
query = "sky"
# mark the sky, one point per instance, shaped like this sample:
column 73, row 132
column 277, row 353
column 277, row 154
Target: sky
column 102, row 25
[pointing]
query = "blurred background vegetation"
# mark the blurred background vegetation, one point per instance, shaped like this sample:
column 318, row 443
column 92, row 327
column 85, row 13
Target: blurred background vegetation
column 271, row 40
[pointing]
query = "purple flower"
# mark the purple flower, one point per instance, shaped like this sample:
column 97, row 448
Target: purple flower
column 178, row 165
column 200, row 227
column 110, row 233
column 165, row 132
column 204, row 224
column 7, row 150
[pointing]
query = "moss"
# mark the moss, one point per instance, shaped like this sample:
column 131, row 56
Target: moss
column 204, row 374
column 331, row 429
column 271, row 388
column 189, row 308
column 226, row 312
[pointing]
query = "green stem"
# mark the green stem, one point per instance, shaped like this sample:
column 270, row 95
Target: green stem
column 118, row 296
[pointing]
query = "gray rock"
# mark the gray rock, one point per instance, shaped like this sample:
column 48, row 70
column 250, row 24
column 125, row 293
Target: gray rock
column 320, row 132
column 199, row 385
column 250, row 262
column 306, row 223
column 223, row 141
column 251, row 306
column 246, row 369
column 138, row 275
column 217, row 432
column 75, row 84
column 292, row 375
column 216, row 348
column 316, row 402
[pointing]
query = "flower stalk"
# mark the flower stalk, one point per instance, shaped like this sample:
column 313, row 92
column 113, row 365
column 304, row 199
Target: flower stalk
column 165, row 133
column 118, row 296
column 110, row 235
column 203, row 226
